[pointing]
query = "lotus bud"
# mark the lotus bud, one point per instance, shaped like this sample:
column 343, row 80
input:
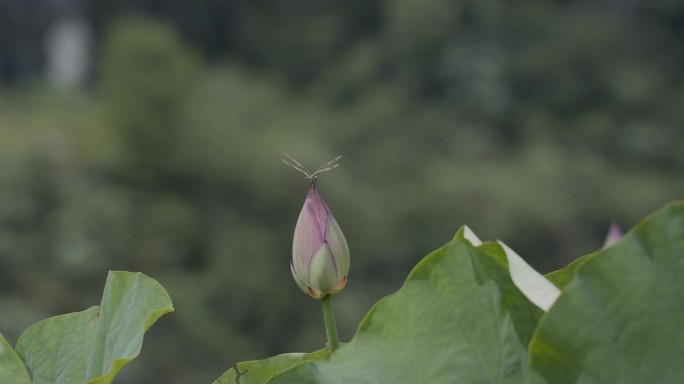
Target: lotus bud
column 320, row 255
column 614, row 234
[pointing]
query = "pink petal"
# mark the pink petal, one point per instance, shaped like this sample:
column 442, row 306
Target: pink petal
column 614, row 234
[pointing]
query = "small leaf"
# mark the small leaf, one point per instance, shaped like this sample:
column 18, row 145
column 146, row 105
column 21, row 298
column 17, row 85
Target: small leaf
column 260, row 371
column 619, row 319
column 12, row 369
column 93, row 345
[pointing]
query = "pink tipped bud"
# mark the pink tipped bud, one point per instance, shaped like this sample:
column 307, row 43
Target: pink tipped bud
column 614, row 234
column 320, row 255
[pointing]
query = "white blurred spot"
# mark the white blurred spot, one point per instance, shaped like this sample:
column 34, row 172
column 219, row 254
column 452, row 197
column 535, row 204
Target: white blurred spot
column 68, row 45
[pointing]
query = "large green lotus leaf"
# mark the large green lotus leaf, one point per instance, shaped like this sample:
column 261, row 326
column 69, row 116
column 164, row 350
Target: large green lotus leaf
column 260, row 371
column 621, row 318
column 562, row 277
column 12, row 369
column 457, row 319
column 92, row 346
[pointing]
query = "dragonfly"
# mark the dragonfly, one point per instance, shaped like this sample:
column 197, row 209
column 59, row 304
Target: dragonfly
column 313, row 176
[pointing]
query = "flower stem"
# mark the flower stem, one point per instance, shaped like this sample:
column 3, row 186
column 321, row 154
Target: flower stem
column 329, row 319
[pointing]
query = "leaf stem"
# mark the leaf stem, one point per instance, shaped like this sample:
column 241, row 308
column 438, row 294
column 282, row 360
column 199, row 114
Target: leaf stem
column 330, row 326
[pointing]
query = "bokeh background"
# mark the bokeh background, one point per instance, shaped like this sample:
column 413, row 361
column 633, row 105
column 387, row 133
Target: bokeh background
column 146, row 136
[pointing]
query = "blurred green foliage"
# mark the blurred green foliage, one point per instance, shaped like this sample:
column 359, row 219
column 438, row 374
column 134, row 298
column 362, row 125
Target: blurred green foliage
column 535, row 123
column 146, row 73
